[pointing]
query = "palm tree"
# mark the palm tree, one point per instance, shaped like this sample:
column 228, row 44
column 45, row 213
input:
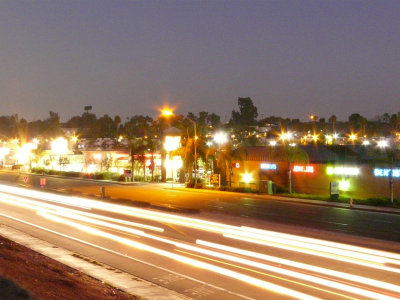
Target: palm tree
column 137, row 149
column 224, row 161
column 186, row 152
column 289, row 154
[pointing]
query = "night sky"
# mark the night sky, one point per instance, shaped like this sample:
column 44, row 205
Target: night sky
column 292, row 58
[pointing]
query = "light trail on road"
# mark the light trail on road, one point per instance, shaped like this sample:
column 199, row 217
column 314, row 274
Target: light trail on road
column 186, row 260
column 282, row 271
column 90, row 216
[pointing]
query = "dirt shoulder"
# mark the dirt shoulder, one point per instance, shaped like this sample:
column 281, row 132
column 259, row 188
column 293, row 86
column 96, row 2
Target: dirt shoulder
column 46, row 278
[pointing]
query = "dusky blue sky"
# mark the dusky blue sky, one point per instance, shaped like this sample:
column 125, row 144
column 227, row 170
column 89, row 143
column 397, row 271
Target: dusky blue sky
column 292, row 58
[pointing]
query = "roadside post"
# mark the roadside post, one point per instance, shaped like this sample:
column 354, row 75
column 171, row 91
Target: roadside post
column 103, row 192
column 42, row 182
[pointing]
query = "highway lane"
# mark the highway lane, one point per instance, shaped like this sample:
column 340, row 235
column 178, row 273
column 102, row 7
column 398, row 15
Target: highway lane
column 205, row 259
column 361, row 223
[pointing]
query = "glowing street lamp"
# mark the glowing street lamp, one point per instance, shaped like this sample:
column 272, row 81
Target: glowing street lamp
column 353, row 137
column 220, row 138
column 167, row 112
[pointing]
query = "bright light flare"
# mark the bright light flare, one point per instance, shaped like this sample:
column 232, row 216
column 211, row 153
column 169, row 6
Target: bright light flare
column 59, row 146
column 382, row 144
column 220, row 138
column 172, row 143
column 247, row 177
column 167, row 112
column 353, row 137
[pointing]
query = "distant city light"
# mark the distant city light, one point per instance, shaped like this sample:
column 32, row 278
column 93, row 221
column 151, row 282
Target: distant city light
column 350, row 171
column 382, row 144
column 272, row 143
column 366, row 143
column 329, row 139
column 267, row 166
column 286, row 136
column 353, row 137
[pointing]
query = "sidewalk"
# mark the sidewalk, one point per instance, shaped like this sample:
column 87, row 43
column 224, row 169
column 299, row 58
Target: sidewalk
column 381, row 209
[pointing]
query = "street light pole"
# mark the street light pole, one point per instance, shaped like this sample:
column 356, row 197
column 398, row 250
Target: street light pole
column 195, row 148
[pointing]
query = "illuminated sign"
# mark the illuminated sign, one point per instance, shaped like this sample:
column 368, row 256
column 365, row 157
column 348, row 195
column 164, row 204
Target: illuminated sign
column 236, row 165
column 386, row 172
column 172, row 143
column 303, row 169
column 350, row 171
column 266, row 166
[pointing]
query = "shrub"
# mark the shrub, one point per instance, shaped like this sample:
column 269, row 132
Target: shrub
column 117, row 177
column 281, row 189
column 198, row 186
column 55, row 172
column 138, row 178
column 40, row 171
column 190, row 184
column 98, row 176
column 72, row 174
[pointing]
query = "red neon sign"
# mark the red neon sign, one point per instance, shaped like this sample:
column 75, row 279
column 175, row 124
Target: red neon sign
column 303, row 169
column 236, row 165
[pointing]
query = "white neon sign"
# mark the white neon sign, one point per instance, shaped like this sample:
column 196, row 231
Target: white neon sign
column 386, row 172
column 350, row 171
column 267, row 166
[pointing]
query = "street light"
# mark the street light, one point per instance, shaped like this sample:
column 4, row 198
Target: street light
column 195, row 148
column 167, row 112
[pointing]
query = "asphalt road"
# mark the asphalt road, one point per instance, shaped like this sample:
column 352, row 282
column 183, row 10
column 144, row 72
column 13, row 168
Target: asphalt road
column 360, row 223
column 208, row 256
